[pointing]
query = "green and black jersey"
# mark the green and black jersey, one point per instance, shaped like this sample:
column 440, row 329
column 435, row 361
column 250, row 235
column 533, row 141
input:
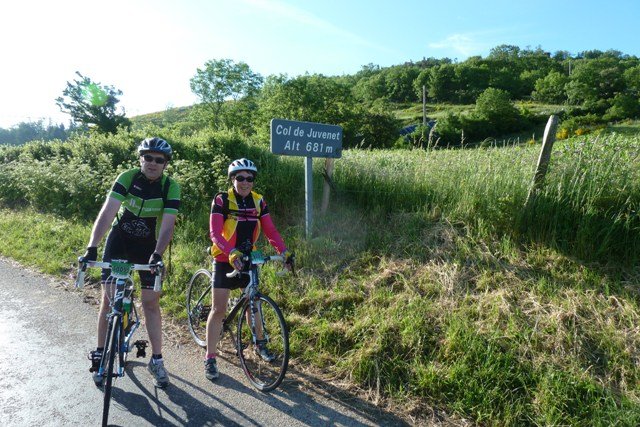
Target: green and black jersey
column 144, row 203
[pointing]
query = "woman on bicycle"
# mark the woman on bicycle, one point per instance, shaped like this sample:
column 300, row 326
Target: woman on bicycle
column 140, row 215
column 237, row 216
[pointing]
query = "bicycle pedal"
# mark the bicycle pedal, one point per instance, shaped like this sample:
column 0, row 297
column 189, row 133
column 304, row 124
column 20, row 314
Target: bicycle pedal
column 141, row 346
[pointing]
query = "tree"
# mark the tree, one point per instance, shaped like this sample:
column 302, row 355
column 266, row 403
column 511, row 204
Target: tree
column 495, row 106
column 632, row 80
column 311, row 98
column 222, row 80
column 32, row 131
column 504, row 52
column 420, row 81
column 93, row 105
column 322, row 99
column 371, row 88
column 595, row 81
column 399, row 83
column 472, row 78
column 442, row 83
column 551, row 88
column 624, row 106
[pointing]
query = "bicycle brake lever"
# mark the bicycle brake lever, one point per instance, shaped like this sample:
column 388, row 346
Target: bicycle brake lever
column 157, row 283
column 82, row 268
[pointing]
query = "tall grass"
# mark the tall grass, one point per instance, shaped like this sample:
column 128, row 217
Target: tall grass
column 588, row 206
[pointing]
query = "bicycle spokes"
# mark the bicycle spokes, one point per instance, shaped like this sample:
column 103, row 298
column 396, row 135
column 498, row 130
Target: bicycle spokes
column 264, row 356
column 199, row 305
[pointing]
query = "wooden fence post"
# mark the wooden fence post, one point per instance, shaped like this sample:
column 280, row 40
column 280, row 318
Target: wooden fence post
column 424, row 105
column 326, row 188
column 545, row 157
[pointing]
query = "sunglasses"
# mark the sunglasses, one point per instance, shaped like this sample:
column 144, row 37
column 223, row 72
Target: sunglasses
column 241, row 178
column 149, row 158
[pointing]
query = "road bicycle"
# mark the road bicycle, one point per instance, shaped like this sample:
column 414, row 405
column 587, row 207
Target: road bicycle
column 122, row 321
column 259, row 322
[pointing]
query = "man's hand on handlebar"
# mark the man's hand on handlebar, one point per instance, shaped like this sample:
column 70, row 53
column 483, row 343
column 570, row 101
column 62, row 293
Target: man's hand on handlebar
column 90, row 255
column 155, row 258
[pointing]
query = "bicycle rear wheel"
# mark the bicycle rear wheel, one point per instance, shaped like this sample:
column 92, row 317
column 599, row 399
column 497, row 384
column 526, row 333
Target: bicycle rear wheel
column 199, row 305
column 113, row 363
column 271, row 329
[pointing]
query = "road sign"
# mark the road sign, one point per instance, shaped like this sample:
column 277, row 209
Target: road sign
column 306, row 139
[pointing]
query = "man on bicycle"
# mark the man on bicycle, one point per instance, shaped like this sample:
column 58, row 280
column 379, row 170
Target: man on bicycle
column 140, row 212
column 237, row 216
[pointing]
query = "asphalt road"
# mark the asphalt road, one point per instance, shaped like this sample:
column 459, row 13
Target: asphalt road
column 46, row 330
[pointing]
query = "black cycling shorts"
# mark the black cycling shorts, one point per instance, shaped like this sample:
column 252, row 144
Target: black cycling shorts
column 221, row 281
column 134, row 251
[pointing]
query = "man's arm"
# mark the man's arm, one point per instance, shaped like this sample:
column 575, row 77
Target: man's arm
column 166, row 232
column 103, row 221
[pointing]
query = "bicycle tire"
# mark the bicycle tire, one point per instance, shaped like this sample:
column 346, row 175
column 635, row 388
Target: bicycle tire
column 199, row 305
column 264, row 375
column 110, row 352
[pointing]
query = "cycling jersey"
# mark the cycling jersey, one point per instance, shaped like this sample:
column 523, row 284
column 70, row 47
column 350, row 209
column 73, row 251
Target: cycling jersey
column 135, row 230
column 235, row 220
column 143, row 203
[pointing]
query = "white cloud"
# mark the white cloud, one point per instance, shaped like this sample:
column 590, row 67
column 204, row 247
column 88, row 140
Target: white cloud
column 464, row 44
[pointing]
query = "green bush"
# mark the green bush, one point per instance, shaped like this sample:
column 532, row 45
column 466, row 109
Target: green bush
column 588, row 121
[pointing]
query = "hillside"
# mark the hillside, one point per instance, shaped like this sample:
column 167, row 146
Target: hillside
column 428, row 285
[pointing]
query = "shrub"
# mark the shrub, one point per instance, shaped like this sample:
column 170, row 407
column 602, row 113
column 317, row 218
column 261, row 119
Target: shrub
column 562, row 134
column 584, row 123
column 624, row 106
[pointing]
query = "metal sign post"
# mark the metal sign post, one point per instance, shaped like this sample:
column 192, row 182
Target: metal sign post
column 308, row 195
column 307, row 139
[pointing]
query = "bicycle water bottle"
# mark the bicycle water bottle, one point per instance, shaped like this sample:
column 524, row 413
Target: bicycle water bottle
column 126, row 304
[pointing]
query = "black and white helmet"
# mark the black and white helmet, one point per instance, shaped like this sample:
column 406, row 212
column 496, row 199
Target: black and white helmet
column 242, row 165
column 155, row 145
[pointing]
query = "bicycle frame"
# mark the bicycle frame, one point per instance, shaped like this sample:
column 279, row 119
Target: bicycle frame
column 250, row 292
column 118, row 334
column 122, row 286
column 130, row 320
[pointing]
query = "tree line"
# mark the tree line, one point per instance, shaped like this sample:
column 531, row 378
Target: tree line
column 35, row 130
column 594, row 86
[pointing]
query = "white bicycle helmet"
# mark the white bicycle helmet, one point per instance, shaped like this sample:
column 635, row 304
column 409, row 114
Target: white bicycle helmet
column 241, row 165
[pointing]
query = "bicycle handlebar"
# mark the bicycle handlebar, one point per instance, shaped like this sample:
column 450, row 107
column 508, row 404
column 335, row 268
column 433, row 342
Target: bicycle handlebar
column 158, row 267
column 235, row 272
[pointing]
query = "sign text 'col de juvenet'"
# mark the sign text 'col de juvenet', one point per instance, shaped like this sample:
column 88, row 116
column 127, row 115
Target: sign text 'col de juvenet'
column 307, row 139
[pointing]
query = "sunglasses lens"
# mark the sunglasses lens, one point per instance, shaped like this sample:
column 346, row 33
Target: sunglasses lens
column 244, row 178
column 150, row 158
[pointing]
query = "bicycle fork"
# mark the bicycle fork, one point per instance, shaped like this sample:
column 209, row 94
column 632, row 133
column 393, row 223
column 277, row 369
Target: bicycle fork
column 257, row 327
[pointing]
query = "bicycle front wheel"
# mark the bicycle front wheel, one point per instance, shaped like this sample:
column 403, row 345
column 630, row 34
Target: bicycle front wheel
column 199, row 305
column 113, row 362
column 263, row 343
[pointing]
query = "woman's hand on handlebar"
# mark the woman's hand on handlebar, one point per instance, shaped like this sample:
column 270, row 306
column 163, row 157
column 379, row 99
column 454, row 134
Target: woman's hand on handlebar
column 235, row 259
column 289, row 260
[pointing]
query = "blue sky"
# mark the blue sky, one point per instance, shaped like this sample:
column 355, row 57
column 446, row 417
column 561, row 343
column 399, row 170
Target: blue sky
column 150, row 49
